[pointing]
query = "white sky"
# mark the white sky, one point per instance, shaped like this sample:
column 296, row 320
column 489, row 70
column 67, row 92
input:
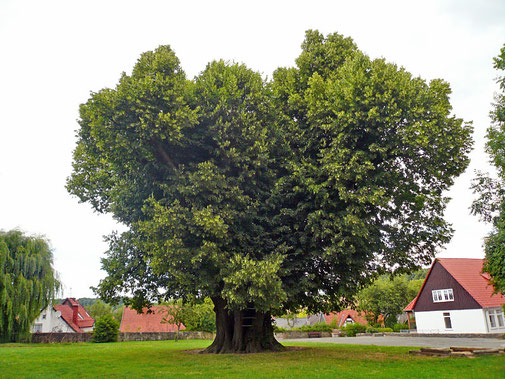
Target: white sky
column 53, row 53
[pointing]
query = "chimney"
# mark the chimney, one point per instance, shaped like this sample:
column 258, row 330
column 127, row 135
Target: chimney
column 75, row 309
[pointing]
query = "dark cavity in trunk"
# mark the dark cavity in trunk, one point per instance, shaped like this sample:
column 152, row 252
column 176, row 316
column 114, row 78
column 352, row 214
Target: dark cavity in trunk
column 245, row 331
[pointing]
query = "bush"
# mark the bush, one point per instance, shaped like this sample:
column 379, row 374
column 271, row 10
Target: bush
column 319, row 327
column 398, row 327
column 372, row 330
column 352, row 329
column 278, row 329
column 106, row 329
column 386, row 330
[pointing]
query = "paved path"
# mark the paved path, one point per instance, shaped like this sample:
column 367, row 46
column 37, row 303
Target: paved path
column 409, row 341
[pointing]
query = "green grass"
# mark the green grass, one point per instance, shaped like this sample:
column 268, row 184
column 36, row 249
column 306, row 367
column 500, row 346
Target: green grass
column 168, row 359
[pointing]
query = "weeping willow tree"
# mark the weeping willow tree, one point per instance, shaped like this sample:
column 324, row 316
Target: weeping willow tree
column 27, row 282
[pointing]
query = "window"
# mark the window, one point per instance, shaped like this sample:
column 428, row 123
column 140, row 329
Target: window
column 37, row 328
column 44, row 316
column 440, row 296
column 447, row 320
column 496, row 320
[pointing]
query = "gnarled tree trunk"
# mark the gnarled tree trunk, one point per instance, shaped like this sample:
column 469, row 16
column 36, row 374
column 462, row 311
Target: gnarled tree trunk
column 245, row 331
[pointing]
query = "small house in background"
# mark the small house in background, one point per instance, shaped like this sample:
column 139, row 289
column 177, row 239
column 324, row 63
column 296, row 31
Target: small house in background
column 68, row 317
column 456, row 297
column 134, row 322
column 345, row 317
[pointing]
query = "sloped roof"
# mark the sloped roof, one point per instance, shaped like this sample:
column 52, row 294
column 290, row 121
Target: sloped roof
column 410, row 307
column 67, row 313
column 468, row 273
column 341, row 316
column 146, row 322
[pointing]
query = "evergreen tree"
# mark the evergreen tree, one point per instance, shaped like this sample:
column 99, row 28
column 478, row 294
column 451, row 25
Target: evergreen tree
column 27, row 282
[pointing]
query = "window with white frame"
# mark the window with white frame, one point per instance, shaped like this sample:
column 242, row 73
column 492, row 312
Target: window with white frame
column 440, row 296
column 495, row 319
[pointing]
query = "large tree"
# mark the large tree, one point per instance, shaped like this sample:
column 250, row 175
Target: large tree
column 491, row 203
column 27, row 282
column 267, row 196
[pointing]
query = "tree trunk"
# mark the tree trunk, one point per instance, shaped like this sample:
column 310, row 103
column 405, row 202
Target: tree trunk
column 245, row 331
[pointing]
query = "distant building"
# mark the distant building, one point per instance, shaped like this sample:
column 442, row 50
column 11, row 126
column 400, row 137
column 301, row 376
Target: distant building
column 68, row 317
column 134, row 322
column 456, row 297
column 345, row 317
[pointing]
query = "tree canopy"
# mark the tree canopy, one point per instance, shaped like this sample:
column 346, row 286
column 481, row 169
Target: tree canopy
column 491, row 203
column 387, row 297
column 267, row 196
column 27, row 282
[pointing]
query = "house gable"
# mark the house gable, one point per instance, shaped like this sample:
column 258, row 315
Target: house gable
column 438, row 279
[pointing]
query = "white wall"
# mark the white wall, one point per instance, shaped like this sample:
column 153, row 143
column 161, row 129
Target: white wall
column 52, row 322
column 463, row 321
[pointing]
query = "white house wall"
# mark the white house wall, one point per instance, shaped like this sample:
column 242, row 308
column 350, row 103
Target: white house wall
column 51, row 323
column 463, row 321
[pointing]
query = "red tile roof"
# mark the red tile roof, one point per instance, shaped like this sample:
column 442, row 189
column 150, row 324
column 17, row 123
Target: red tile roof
column 410, row 307
column 341, row 316
column 146, row 322
column 67, row 314
column 468, row 273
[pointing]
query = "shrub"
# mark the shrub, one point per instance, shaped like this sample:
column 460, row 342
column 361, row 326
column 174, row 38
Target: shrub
column 319, row 327
column 398, row 327
column 352, row 329
column 278, row 329
column 106, row 329
column 386, row 330
column 372, row 330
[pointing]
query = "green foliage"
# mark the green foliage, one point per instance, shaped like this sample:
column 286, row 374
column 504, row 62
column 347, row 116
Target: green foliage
column 373, row 330
column 397, row 327
column 318, row 327
column 387, row 297
column 352, row 329
column 282, row 195
column 491, row 202
column 193, row 315
column 176, row 312
column 27, row 282
column 99, row 309
column 201, row 317
column 106, row 329
column 280, row 329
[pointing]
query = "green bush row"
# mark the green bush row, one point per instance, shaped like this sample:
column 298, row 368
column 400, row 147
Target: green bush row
column 319, row 327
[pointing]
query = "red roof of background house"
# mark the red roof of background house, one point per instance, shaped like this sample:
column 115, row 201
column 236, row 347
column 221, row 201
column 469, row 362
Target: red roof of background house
column 341, row 316
column 410, row 307
column 468, row 273
column 146, row 322
column 84, row 320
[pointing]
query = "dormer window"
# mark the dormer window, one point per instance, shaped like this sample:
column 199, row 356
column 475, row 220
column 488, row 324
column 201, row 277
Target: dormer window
column 440, row 296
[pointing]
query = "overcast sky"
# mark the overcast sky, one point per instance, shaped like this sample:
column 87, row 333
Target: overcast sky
column 53, row 53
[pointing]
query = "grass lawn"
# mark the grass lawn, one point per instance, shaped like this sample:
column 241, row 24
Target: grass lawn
column 168, row 359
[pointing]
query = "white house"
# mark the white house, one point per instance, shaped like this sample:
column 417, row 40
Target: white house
column 456, row 297
column 68, row 317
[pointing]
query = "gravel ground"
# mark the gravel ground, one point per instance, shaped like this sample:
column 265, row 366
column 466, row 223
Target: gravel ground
column 409, row 341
